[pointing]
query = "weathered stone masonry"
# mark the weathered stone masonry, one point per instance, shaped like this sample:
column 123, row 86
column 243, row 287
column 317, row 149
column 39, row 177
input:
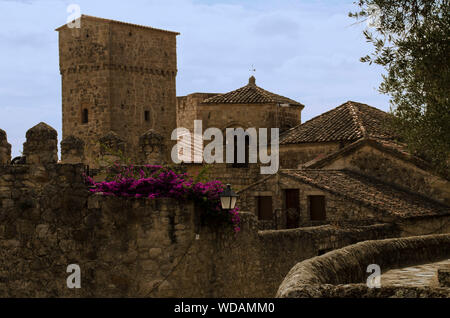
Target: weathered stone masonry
column 341, row 273
column 138, row 247
column 116, row 77
column 5, row 148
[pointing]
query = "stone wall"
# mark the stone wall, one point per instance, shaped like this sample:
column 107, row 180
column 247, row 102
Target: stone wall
column 187, row 109
column 424, row 226
column 294, row 155
column 338, row 209
column 238, row 177
column 148, row 248
column 389, row 168
column 49, row 220
column 282, row 249
column 362, row 291
column 249, row 115
column 349, row 264
column 138, row 247
column 123, row 75
column 41, row 145
column 5, row 148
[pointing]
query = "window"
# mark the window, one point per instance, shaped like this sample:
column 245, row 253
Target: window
column 147, row 115
column 236, row 164
column 292, row 205
column 85, row 116
column 265, row 211
column 317, row 207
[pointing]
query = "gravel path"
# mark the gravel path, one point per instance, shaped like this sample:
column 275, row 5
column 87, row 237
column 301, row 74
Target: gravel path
column 421, row 275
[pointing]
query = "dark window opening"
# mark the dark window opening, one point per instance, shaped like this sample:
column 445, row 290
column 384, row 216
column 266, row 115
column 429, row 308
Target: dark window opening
column 292, row 205
column 265, row 211
column 85, row 116
column 237, row 164
column 147, row 115
column 317, row 207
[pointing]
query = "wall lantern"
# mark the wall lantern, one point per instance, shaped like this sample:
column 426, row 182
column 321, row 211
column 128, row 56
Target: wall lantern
column 228, row 198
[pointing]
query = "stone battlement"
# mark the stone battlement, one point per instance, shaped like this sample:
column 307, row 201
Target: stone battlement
column 41, row 147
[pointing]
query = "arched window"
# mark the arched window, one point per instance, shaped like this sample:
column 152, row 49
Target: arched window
column 147, row 115
column 85, row 116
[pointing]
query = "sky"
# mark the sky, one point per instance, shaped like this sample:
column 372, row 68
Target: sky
column 307, row 50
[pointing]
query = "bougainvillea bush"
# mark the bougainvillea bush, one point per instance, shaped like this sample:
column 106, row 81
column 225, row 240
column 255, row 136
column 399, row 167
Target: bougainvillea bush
column 154, row 181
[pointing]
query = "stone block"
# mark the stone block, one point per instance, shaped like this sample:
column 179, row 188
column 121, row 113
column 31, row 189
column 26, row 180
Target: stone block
column 5, row 149
column 72, row 150
column 41, row 146
column 443, row 275
column 154, row 252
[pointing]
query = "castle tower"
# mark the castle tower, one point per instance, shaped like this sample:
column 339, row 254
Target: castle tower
column 117, row 77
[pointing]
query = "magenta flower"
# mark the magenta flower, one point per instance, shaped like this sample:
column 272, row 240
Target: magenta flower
column 155, row 181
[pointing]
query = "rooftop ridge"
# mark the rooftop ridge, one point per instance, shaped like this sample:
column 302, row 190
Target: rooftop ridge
column 90, row 17
column 250, row 94
column 356, row 117
column 349, row 121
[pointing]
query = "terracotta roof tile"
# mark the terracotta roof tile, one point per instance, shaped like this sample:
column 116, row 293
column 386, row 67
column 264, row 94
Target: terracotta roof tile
column 394, row 147
column 368, row 191
column 348, row 122
column 250, row 94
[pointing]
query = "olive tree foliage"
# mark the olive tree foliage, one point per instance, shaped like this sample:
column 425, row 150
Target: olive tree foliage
column 411, row 41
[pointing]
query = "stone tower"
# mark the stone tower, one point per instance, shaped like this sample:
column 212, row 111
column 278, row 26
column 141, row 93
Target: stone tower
column 117, row 77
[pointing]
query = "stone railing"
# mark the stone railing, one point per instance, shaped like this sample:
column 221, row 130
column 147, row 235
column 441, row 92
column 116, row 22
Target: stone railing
column 348, row 265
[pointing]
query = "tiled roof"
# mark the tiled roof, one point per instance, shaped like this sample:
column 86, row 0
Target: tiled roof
column 250, row 94
column 348, row 122
column 393, row 147
column 370, row 192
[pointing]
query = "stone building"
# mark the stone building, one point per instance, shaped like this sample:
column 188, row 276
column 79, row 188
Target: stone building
column 343, row 179
column 346, row 166
column 331, row 131
column 309, row 197
column 248, row 106
column 116, row 77
column 119, row 99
